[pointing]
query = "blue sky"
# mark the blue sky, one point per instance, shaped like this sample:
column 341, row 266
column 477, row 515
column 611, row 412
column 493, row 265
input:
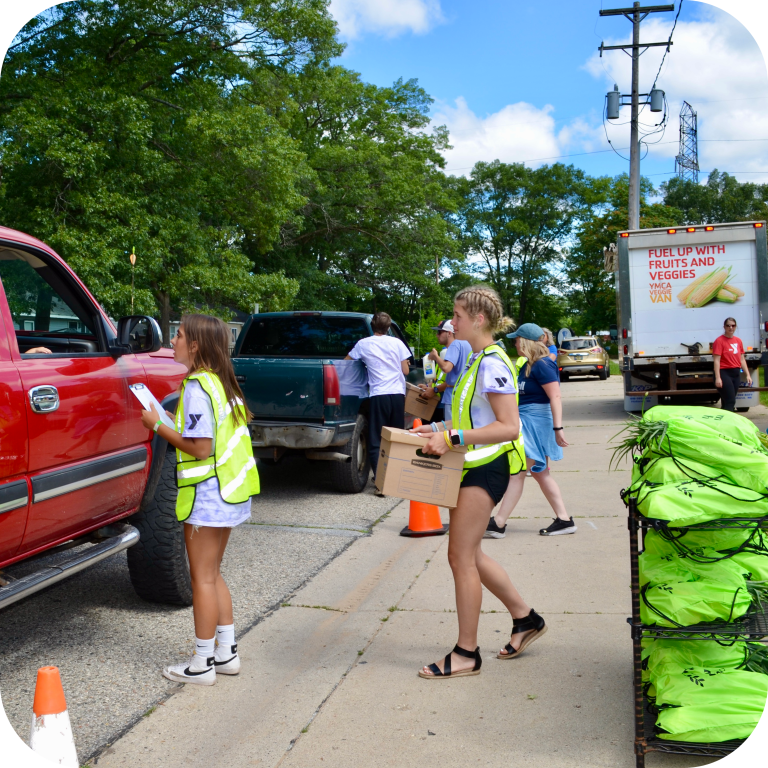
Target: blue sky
column 520, row 80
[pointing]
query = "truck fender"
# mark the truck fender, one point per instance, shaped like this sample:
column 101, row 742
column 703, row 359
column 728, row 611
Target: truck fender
column 159, row 448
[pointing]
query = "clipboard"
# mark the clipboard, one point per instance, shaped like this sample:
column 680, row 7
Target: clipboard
column 146, row 398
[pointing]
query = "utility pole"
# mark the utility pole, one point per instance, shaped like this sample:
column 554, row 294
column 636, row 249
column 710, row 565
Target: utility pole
column 636, row 14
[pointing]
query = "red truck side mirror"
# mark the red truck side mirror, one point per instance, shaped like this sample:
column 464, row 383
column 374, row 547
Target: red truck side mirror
column 137, row 334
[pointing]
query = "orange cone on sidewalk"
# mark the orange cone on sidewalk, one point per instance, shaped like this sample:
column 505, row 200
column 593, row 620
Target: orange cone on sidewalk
column 423, row 519
column 51, row 734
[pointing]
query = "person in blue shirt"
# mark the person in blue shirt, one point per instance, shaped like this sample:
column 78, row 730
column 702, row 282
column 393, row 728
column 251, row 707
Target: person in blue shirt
column 541, row 419
column 457, row 353
column 549, row 343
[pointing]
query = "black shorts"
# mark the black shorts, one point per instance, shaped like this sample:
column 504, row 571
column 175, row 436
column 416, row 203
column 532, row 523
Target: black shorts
column 492, row 477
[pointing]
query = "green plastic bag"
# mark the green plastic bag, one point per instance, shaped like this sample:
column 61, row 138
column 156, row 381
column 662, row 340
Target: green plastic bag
column 670, row 656
column 745, row 466
column 693, row 502
column 678, row 567
column 711, row 722
column 668, row 470
column 698, row 685
column 684, row 603
column 746, row 547
column 726, row 423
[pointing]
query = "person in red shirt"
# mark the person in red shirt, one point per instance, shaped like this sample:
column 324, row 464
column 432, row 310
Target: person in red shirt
column 728, row 353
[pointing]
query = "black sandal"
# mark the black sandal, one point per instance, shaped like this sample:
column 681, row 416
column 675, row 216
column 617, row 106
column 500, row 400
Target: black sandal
column 531, row 622
column 446, row 673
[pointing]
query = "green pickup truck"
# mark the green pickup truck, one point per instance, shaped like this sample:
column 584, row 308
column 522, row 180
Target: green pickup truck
column 304, row 396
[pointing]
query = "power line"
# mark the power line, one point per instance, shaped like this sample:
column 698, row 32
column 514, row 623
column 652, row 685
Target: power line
column 664, row 57
column 602, row 151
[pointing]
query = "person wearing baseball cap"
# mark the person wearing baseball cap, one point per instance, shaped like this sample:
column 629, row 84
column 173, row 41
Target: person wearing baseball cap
column 451, row 366
column 541, row 421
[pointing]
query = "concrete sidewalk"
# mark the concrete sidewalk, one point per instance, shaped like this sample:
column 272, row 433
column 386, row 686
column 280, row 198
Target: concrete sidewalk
column 331, row 677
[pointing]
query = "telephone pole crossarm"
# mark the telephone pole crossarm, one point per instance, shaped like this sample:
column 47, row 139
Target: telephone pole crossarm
column 638, row 9
column 630, row 46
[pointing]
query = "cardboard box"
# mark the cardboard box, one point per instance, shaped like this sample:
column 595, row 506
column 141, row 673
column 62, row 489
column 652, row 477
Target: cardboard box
column 405, row 471
column 417, row 405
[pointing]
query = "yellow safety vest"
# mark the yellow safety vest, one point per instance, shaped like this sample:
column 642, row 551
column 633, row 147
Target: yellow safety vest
column 461, row 416
column 232, row 461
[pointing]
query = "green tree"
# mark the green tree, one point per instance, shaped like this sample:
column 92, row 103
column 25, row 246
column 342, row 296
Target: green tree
column 514, row 224
column 372, row 233
column 591, row 295
column 160, row 126
column 723, row 198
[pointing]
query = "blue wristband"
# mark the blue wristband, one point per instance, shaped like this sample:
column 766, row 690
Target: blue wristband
column 461, row 437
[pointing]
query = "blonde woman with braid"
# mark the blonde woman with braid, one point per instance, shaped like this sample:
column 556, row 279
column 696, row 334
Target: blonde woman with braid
column 541, row 414
column 485, row 420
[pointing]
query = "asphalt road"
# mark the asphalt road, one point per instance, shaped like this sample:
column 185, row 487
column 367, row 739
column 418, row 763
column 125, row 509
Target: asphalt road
column 111, row 646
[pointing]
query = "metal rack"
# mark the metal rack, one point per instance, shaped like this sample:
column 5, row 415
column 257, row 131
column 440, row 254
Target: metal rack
column 752, row 626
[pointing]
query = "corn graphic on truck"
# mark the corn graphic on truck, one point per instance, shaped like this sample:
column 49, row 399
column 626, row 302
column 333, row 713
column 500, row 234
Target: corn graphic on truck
column 675, row 288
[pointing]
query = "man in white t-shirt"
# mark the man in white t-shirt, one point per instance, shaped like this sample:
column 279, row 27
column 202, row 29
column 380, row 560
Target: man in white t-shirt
column 386, row 358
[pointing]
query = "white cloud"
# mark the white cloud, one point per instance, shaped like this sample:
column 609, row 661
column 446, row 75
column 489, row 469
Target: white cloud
column 715, row 66
column 517, row 132
column 385, row 17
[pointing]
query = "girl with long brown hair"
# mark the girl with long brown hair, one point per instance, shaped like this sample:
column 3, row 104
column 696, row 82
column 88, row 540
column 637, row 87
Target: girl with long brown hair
column 216, row 475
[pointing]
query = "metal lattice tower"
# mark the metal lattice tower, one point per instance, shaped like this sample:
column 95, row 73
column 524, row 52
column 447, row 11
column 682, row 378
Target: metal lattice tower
column 687, row 162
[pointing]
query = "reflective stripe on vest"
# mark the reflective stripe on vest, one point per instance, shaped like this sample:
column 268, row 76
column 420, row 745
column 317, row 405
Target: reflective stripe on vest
column 462, row 418
column 232, row 461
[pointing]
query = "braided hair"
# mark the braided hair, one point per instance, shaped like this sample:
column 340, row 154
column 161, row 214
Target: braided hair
column 481, row 300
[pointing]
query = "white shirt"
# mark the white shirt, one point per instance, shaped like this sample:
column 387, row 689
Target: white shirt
column 209, row 508
column 383, row 356
column 493, row 377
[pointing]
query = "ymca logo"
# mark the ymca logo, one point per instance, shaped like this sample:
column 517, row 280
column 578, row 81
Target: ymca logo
column 194, row 418
column 734, row 348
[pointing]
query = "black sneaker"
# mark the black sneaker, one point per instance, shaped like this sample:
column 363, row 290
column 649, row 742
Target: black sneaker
column 493, row 531
column 559, row 527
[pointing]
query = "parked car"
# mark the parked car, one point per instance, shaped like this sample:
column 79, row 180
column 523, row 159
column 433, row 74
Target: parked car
column 305, row 397
column 77, row 465
column 581, row 355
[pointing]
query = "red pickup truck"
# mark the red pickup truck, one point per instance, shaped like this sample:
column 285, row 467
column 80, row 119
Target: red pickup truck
column 76, row 465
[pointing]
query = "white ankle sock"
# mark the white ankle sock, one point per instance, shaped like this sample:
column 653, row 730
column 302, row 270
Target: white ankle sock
column 225, row 636
column 204, row 648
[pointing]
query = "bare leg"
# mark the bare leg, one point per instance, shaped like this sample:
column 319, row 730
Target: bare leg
column 204, row 547
column 511, row 497
column 226, row 615
column 551, row 491
column 469, row 565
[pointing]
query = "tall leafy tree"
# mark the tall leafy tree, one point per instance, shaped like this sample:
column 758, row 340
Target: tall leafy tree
column 591, row 294
column 514, row 224
column 722, row 198
column 157, row 125
column 372, row 233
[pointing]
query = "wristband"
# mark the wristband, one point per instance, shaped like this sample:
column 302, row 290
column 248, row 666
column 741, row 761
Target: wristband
column 157, row 425
column 448, row 442
column 445, row 426
column 461, row 437
column 556, row 429
column 433, row 426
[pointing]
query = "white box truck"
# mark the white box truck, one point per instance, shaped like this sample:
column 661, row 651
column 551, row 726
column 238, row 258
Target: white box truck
column 668, row 320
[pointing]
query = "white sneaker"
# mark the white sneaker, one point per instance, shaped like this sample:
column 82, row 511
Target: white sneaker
column 198, row 671
column 226, row 663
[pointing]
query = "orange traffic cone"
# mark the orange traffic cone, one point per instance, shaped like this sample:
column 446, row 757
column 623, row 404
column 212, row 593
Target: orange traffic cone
column 423, row 519
column 51, row 734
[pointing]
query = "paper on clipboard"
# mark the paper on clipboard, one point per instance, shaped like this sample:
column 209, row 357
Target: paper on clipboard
column 146, row 398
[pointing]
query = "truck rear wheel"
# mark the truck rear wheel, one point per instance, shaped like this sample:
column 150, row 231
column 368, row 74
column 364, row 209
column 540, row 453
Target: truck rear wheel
column 352, row 476
column 158, row 564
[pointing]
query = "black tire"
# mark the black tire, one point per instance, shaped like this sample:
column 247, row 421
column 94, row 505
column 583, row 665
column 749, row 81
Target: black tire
column 564, row 376
column 603, row 375
column 158, row 563
column 742, row 410
column 608, row 370
column 352, row 476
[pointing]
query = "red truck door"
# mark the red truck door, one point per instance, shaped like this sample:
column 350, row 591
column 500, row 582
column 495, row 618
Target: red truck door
column 14, row 490
column 88, row 457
